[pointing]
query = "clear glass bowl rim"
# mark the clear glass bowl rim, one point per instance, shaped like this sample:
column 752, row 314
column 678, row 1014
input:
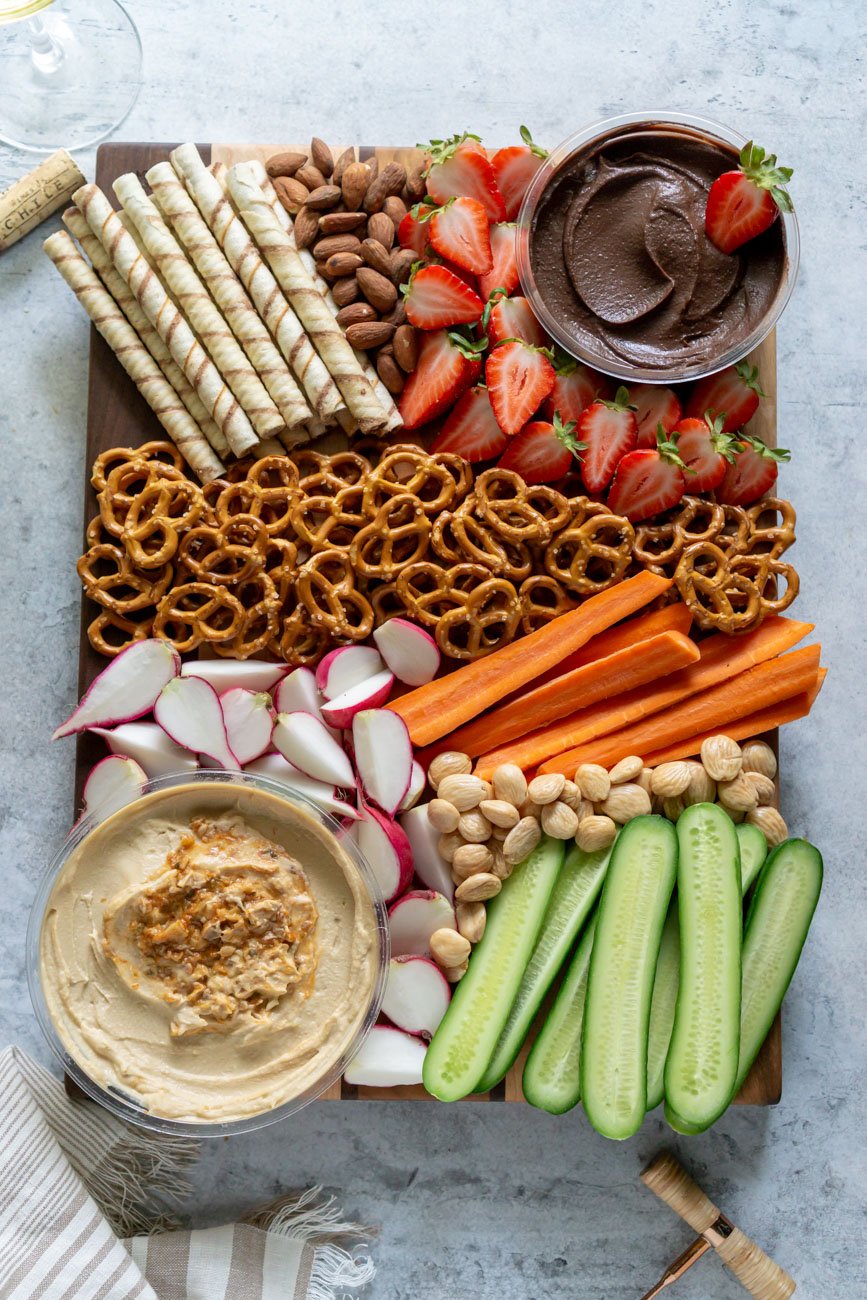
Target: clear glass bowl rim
column 123, row 1107
column 624, row 372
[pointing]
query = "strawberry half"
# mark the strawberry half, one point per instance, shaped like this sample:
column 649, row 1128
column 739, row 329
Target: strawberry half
column 732, row 393
column 460, row 167
column 504, row 272
column 514, row 169
column 610, row 430
column 753, row 473
column 437, row 298
column 543, row 451
column 744, row 203
column 705, row 450
column 448, row 364
column 648, row 481
column 576, row 386
column 512, row 318
column 413, row 232
column 471, row 429
column 519, row 378
column 654, row 406
column 459, row 231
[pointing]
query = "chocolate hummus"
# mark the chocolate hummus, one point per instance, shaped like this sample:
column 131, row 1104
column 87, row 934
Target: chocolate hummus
column 622, row 261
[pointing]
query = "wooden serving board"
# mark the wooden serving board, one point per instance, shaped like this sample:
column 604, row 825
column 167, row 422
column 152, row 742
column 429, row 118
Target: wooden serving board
column 118, row 416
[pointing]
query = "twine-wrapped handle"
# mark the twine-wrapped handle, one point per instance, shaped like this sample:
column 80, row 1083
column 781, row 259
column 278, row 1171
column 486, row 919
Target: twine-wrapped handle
column 755, row 1270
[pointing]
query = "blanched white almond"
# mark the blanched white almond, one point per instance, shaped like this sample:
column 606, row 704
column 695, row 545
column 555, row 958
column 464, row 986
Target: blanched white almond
column 500, row 812
column 510, row 784
column 477, row 888
column 470, row 859
column 759, row 757
column 625, row 802
column 595, row 833
column 766, row 790
column 593, row 781
column 626, row 770
column 739, row 795
column 474, row 828
column 547, row 788
column 448, row 846
column 451, row 763
column 471, row 918
column 443, row 816
column 721, row 757
column 454, row 974
column 571, row 795
column 670, row 779
column 770, row 823
column 559, row 821
column 521, row 840
column 701, row 788
column 448, row 948
column 462, row 790
column 672, row 807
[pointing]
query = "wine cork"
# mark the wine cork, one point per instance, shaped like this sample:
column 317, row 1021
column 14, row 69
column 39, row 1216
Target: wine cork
column 33, row 198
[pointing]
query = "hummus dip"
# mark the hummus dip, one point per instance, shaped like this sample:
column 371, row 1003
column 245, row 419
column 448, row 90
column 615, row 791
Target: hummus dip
column 209, row 951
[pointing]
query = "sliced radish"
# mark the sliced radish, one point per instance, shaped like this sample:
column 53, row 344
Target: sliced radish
column 226, row 674
column 149, row 745
column 112, row 784
column 410, row 652
column 308, row 745
column 430, row 867
column 387, row 1058
column 298, row 693
column 417, row 995
column 386, row 848
column 345, row 667
column 383, row 756
column 415, row 789
column 249, row 720
column 327, row 798
column 413, row 919
column 368, row 694
column 126, row 689
column 189, row 711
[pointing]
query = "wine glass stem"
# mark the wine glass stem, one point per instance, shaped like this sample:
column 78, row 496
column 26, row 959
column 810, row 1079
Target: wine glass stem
column 47, row 53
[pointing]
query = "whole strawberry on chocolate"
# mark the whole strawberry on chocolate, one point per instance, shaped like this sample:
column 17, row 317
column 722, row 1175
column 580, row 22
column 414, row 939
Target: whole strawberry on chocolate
column 515, row 168
column 744, row 203
column 459, row 166
column 706, row 451
column 436, row 298
column 732, row 393
column 448, row 364
column 519, row 378
column 649, row 481
column 543, row 451
column 610, row 431
column 471, row 428
column 752, row 473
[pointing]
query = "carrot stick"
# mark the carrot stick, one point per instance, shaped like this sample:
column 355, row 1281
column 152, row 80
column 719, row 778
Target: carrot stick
column 714, row 710
column 722, row 657
column 754, row 725
column 447, row 702
column 633, row 666
column 671, row 618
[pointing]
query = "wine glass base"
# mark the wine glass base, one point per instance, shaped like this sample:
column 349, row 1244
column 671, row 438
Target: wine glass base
column 76, row 90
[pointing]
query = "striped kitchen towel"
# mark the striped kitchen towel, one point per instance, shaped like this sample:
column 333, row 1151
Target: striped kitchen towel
column 84, row 1214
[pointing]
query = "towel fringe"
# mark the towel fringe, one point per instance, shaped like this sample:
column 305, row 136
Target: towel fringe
column 141, row 1173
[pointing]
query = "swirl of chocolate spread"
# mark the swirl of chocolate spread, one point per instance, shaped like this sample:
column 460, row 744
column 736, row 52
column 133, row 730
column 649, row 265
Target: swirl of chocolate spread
column 622, row 261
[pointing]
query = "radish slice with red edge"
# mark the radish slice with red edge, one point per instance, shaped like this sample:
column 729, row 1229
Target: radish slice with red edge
column 417, row 995
column 298, row 693
column 385, row 846
column 226, row 674
column 189, row 712
column 319, row 792
column 408, row 650
column 308, row 745
column 126, row 689
column 413, row 919
column 386, row 1059
column 149, row 745
column 368, row 694
column 430, row 866
column 415, row 790
column 249, row 720
column 383, row 757
column 345, row 667
column 111, row 785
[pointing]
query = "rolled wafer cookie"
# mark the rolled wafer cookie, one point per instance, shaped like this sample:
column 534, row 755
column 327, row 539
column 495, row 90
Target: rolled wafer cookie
column 295, row 281
column 244, row 257
column 394, row 420
column 170, row 324
column 133, row 356
column 193, row 233
column 211, row 327
column 123, row 296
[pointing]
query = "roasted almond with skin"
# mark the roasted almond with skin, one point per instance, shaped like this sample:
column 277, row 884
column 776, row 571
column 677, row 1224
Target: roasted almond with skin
column 378, row 291
column 345, row 291
column 381, row 227
column 284, row 164
column 376, row 256
column 397, row 315
column 324, row 196
column 354, row 183
column 321, row 156
column 291, row 193
column 347, row 157
column 339, row 264
column 310, row 176
column 369, row 334
column 395, row 208
column 306, row 228
column 415, row 182
column 390, row 373
column 345, row 243
column 402, row 262
column 354, row 314
column 390, row 181
column 406, row 348
column 340, row 223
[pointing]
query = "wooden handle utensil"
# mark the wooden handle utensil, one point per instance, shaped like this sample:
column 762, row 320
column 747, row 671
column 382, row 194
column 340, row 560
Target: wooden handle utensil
column 755, row 1270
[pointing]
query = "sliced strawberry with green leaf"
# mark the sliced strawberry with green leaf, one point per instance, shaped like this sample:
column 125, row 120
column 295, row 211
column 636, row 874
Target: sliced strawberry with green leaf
column 448, row 364
column 543, row 451
column 654, row 406
column 610, row 430
column 744, row 203
column 753, row 473
column 512, row 318
column 437, row 298
column 504, row 272
column 459, row 231
column 519, row 378
column 648, row 481
column 515, row 168
column 413, row 231
column 705, row 449
column 460, row 167
column 733, row 393
column 471, row 429
column 576, row 386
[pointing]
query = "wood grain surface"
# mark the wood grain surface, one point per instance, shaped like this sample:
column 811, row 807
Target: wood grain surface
column 118, row 416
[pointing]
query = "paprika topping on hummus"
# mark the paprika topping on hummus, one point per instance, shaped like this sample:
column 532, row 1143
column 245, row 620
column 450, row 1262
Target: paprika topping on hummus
column 210, row 951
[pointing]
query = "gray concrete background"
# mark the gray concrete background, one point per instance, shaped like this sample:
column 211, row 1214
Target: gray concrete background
column 493, row 1202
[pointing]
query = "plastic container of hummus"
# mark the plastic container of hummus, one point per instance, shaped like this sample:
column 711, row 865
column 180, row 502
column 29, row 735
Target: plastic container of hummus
column 208, row 959
column 614, row 259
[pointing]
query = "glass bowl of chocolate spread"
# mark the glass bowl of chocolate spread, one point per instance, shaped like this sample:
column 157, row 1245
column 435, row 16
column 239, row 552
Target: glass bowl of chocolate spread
column 613, row 255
